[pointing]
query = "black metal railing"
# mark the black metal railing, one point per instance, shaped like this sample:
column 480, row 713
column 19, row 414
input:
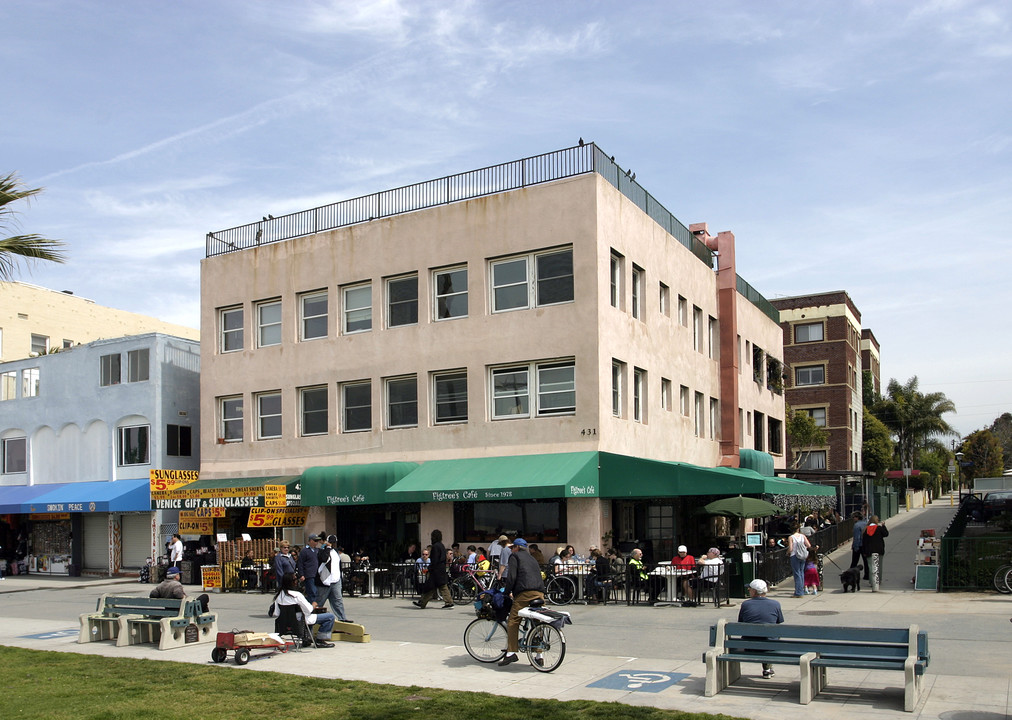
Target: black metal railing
column 968, row 563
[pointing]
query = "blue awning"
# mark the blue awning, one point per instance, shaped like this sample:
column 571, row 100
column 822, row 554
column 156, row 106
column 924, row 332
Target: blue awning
column 12, row 498
column 118, row 496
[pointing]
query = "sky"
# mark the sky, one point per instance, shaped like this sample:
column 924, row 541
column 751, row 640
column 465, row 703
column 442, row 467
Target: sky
column 857, row 146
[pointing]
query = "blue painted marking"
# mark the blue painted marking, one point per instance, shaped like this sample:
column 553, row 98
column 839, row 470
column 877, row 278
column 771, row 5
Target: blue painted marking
column 53, row 635
column 639, row 681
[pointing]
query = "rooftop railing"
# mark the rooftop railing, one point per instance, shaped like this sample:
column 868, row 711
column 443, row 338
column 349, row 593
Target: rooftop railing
column 548, row 167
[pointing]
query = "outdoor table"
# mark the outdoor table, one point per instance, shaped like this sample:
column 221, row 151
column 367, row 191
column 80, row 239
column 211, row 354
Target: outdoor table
column 579, row 573
column 371, row 581
column 673, row 577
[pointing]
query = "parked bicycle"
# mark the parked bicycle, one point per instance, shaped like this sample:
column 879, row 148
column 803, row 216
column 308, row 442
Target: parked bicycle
column 1003, row 579
column 541, row 636
column 465, row 587
column 560, row 589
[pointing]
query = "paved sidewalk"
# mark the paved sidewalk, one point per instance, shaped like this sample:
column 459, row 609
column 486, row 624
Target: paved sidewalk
column 661, row 648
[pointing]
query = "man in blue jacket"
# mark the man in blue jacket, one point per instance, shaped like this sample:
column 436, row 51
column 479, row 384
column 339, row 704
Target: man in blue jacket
column 308, row 566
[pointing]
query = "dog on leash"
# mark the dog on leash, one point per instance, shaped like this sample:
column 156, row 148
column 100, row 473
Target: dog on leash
column 851, row 578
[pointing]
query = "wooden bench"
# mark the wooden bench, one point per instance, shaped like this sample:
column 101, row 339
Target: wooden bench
column 815, row 649
column 134, row 620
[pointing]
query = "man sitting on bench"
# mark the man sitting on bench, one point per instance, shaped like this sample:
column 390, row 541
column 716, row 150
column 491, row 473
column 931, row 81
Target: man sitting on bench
column 761, row 609
column 172, row 588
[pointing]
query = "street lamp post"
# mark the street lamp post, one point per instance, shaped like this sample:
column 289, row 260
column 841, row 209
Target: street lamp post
column 959, row 463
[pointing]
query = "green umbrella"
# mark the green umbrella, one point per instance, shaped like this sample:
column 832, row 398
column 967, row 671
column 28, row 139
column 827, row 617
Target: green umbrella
column 741, row 507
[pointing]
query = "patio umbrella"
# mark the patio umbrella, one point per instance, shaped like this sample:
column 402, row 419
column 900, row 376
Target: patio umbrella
column 741, row 507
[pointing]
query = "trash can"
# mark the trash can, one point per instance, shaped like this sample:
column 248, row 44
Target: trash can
column 187, row 572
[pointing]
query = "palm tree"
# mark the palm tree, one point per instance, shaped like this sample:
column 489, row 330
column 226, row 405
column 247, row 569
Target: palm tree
column 30, row 247
column 915, row 418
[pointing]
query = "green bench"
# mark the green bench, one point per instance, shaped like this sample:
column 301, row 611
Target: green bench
column 814, row 650
column 170, row 622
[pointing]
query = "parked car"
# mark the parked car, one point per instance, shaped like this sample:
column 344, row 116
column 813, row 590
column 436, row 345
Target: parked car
column 991, row 505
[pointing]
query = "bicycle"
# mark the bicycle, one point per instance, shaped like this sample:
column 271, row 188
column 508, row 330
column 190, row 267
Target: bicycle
column 465, row 588
column 1002, row 580
column 544, row 643
column 560, row 589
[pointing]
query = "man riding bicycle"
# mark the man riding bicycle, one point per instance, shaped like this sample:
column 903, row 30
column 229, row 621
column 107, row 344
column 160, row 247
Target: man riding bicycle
column 524, row 583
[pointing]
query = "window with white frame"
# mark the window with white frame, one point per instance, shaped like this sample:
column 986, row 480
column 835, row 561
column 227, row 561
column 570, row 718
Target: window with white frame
column 449, row 397
column 109, row 370
column 178, row 440
column 29, row 382
column 9, row 385
column 683, row 400
column 230, row 320
column 402, row 301
column 357, row 308
column 138, row 365
column 314, row 407
column 809, row 332
column 450, row 293
column 510, row 393
column 818, row 415
column 638, row 282
column 15, row 455
column 665, row 300
column 555, row 390
column 133, row 445
column 810, row 375
column 699, row 418
column 617, row 270
column 268, row 323
column 40, row 344
column 356, row 405
column 230, row 414
column 617, row 394
column 813, row 460
column 713, row 338
column 714, row 418
column 776, row 435
column 512, row 288
column 697, row 329
column 314, row 320
column 666, row 395
column 402, row 402
column 268, row 415
column 758, row 430
column 639, row 395
column 683, row 311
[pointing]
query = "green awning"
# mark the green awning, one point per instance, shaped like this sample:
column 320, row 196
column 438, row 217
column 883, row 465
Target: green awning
column 364, row 484
column 519, row 477
column 757, row 460
column 226, row 492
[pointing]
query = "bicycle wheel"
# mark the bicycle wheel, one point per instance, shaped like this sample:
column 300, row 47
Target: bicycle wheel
column 561, row 590
column 485, row 640
column 546, row 647
column 464, row 591
column 1007, row 589
column 1000, row 582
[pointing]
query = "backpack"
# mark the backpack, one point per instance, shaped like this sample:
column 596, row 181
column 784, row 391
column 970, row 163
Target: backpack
column 800, row 551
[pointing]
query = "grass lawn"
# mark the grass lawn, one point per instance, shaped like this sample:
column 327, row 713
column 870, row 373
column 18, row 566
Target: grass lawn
column 55, row 685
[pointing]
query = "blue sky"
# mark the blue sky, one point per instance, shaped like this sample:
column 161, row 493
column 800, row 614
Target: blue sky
column 858, row 146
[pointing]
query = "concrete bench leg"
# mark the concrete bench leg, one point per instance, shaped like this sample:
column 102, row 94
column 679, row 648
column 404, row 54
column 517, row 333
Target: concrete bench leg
column 809, row 682
column 714, row 681
column 97, row 628
column 911, row 685
column 125, row 636
column 171, row 637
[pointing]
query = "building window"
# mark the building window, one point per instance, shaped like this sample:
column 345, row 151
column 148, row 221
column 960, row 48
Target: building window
column 15, row 455
column 714, row 418
column 665, row 303
column 774, row 375
column 268, row 415
column 314, row 321
column 313, row 403
column 357, row 404
column 402, row 402
column 178, row 440
column 617, row 270
column 639, row 394
column 758, row 366
column 813, row 460
column 713, row 338
column 230, row 320
column 230, row 409
column 637, row 292
column 758, row 430
column 40, row 344
column 269, row 323
column 617, row 371
column 138, row 365
column 776, row 436
column 9, row 385
column 133, row 445
column 450, row 287
column 357, row 308
column 818, row 415
column 402, row 301
column 450, row 397
column 556, row 390
column 666, row 394
column 700, row 419
column 553, row 281
column 110, row 370
column 810, row 375
column 67, row 344
column 697, row 329
column 809, row 332
column 683, row 400
column 683, row 311
column 29, row 382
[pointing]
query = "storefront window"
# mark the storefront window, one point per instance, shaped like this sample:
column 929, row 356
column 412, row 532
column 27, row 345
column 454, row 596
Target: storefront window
column 534, row 520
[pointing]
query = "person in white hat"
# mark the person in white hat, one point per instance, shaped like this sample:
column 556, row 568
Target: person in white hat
column 760, row 609
column 685, row 565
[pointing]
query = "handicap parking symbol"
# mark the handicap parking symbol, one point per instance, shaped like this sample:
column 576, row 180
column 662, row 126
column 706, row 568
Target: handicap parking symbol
column 639, row 681
column 53, row 635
